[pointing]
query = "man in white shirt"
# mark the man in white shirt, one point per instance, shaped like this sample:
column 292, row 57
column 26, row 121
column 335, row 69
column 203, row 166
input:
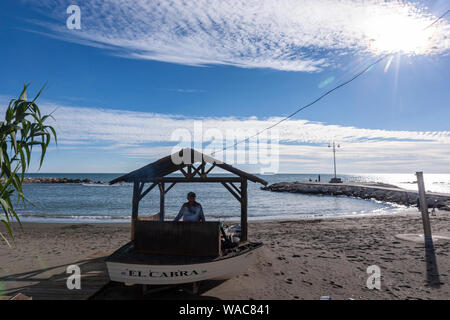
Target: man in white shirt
column 191, row 210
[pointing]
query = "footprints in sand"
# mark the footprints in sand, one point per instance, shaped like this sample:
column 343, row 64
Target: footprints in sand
column 307, row 282
column 335, row 285
column 331, row 258
column 386, row 259
column 54, row 252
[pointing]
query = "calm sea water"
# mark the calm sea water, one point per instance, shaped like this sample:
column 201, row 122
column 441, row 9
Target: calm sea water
column 105, row 203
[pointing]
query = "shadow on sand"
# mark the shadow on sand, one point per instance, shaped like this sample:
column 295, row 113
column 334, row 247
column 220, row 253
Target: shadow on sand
column 433, row 279
column 51, row 282
column 119, row 291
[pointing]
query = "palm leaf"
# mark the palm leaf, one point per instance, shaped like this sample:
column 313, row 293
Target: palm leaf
column 20, row 131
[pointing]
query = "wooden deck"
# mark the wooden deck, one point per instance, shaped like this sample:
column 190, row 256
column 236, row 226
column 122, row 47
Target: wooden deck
column 51, row 283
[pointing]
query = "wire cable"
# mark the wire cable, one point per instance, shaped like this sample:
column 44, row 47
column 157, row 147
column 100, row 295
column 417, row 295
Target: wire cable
column 443, row 15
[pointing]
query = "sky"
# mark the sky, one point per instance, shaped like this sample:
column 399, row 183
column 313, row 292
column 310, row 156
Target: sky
column 140, row 79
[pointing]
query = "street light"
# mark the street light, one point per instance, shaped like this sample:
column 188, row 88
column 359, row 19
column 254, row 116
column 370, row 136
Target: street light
column 335, row 179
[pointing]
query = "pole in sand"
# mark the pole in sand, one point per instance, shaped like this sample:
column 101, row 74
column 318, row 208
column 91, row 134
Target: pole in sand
column 424, row 207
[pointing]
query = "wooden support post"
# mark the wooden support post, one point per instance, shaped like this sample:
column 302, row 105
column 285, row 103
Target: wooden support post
column 202, row 172
column 161, row 201
column 244, row 210
column 135, row 207
column 424, row 207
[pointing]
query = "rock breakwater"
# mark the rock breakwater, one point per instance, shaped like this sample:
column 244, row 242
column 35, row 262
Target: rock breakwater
column 57, row 180
column 381, row 192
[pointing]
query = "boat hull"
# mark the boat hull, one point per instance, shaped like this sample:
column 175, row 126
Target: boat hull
column 155, row 274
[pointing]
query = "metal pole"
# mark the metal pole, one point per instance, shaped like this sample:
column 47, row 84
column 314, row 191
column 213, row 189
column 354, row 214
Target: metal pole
column 334, row 157
column 423, row 207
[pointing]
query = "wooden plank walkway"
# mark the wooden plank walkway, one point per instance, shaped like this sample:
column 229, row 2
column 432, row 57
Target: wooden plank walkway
column 51, row 283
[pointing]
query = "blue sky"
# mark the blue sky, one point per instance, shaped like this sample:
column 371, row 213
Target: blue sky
column 135, row 73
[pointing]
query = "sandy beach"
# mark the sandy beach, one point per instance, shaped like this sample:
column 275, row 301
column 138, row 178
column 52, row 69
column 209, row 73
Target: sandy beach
column 303, row 259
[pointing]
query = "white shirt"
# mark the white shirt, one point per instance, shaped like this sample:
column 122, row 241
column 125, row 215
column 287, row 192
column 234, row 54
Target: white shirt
column 194, row 213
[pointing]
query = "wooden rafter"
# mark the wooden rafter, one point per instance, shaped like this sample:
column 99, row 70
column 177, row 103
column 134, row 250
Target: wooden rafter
column 210, row 168
column 195, row 179
column 166, row 166
column 146, row 191
column 184, row 172
column 197, row 170
column 236, row 188
column 232, row 191
column 141, row 186
column 170, row 187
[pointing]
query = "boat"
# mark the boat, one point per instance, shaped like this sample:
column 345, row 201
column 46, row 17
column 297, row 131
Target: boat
column 165, row 252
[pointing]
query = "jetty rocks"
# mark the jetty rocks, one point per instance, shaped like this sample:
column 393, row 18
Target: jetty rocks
column 57, row 180
column 377, row 191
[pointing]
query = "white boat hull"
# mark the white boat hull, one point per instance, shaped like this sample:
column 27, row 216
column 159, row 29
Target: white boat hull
column 178, row 274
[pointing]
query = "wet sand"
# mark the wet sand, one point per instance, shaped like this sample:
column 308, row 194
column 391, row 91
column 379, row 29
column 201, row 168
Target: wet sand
column 303, row 259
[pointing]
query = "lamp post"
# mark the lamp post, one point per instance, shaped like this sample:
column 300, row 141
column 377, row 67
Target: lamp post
column 335, row 179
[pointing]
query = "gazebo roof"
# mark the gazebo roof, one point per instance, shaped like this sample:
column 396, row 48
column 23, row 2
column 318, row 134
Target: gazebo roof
column 166, row 165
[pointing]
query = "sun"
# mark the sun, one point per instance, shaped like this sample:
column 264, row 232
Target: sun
column 397, row 33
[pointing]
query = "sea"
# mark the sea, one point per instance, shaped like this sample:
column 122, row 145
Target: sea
column 101, row 202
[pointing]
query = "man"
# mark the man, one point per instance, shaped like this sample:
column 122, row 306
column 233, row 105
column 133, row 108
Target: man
column 191, row 210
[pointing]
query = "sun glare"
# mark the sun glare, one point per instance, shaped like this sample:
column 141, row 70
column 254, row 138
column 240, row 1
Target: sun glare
column 399, row 34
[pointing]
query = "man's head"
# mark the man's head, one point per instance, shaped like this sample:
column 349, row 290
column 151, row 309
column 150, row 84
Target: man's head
column 191, row 197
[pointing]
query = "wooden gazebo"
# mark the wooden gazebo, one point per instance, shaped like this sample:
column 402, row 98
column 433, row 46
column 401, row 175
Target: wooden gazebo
column 184, row 161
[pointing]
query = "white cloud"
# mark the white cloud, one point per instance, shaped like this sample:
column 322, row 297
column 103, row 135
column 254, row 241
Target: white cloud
column 279, row 34
column 142, row 137
column 302, row 145
column 109, row 127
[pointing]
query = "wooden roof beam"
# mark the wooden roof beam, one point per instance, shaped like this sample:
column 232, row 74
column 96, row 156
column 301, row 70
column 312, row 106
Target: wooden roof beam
column 238, row 198
column 147, row 191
